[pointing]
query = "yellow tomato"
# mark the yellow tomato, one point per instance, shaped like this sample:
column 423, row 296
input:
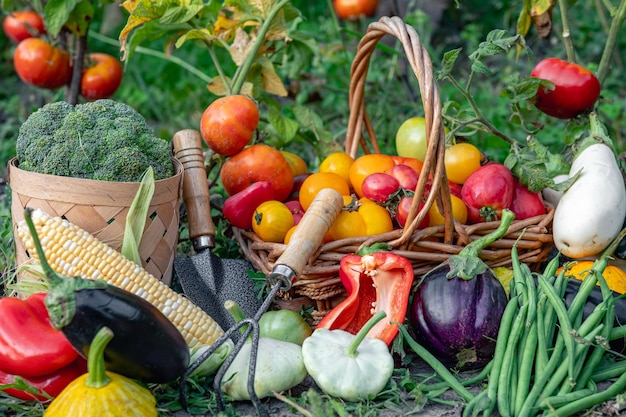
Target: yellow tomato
column 461, row 160
column 366, row 165
column 338, row 163
column 361, row 218
column 459, row 212
column 272, row 220
column 296, row 163
column 316, row 182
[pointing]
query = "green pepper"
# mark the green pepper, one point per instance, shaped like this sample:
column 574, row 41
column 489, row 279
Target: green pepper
column 352, row 367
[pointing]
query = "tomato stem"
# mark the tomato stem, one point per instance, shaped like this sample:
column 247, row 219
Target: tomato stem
column 611, row 41
column 567, row 35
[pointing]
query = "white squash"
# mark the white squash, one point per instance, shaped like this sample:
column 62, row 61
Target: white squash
column 590, row 214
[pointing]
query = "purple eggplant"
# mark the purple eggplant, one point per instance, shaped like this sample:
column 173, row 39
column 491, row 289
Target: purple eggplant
column 456, row 308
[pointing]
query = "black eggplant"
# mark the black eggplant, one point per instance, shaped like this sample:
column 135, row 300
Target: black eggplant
column 146, row 346
column 456, row 309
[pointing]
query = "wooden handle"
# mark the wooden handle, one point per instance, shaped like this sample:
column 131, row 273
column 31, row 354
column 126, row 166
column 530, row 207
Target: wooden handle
column 308, row 236
column 187, row 145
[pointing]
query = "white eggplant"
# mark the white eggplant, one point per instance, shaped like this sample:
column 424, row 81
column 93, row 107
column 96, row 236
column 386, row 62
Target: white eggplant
column 590, row 214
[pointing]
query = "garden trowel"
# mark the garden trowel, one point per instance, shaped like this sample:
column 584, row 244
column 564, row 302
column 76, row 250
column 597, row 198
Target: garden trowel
column 207, row 279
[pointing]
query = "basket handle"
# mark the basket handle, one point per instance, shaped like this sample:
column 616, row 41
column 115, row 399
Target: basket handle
column 419, row 61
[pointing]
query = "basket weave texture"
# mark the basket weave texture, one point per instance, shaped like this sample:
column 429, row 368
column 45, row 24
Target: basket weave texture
column 319, row 284
column 100, row 208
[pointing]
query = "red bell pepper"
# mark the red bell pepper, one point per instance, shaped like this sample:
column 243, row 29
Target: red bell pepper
column 43, row 387
column 29, row 344
column 379, row 281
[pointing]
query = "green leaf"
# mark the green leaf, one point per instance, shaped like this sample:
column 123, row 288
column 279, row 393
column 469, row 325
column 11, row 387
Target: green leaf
column 285, row 127
column 447, row 63
column 57, row 12
column 309, row 120
column 136, row 217
column 181, row 13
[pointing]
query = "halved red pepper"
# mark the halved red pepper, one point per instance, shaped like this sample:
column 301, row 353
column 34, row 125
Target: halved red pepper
column 44, row 386
column 29, row 344
column 378, row 281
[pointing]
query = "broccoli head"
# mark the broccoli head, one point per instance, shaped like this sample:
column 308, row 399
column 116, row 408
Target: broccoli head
column 101, row 140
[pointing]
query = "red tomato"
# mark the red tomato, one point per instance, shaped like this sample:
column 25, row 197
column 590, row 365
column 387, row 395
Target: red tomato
column 406, row 176
column 298, row 180
column 487, row 191
column 576, row 89
column 239, row 207
column 455, row 189
column 525, row 203
column 402, row 212
column 460, row 161
column 101, row 77
column 257, row 163
column 366, row 165
column 40, row 64
column 414, row 163
column 353, row 9
column 271, row 221
column 317, row 182
column 228, row 124
column 379, row 186
column 23, row 24
column 296, row 210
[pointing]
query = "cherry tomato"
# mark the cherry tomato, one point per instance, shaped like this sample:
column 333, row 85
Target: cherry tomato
column 228, row 124
column 414, row 163
column 525, row 203
column 317, row 182
column 406, row 176
column 101, row 77
column 258, row 162
column 23, row 24
column 40, row 64
column 296, row 163
column 296, row 210
column 487, row 191
column 402, row 212
column 339, row 163
column 459, row 212
column 379, row 186
column 353, row 9
column 576, row 89
column 361, row 217
column 460, row 161
column 365, row 165
column 271, row 221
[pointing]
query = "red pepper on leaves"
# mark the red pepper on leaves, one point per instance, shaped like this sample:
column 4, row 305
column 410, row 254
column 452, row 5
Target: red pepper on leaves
column 29, row 344
column 42, row 387
column 378, row 281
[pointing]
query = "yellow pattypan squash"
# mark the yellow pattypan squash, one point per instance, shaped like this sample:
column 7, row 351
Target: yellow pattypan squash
column 101, row 393
column 615, row 276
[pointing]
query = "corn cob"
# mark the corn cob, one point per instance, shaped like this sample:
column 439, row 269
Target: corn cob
column 72, row 251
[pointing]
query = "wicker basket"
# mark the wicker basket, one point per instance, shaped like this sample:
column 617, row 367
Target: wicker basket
column 319, row 283
column 100, row 207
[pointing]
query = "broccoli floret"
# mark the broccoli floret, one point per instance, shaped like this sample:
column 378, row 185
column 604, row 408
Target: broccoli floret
column 103, row 140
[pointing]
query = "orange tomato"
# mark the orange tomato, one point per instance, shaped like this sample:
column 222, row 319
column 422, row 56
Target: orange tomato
column 316, row 182
column 296, row 163
column 366, row 165
column 360, row 218
column 272, row 220
column 459, row 212
column 338, row 163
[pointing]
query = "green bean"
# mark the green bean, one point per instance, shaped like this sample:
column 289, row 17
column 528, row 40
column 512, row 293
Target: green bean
column 504, row 400
column 551, row 267
column 541, row 357
column 506, row 323
column 609, row 371
column 559, row 400
column 618, row 332
column 525, row 370
column 587, row 285
column 589, row 401
column 478, row 404
column 437, row 366
column 565, row 326
column 549, row 314
column 465, row 382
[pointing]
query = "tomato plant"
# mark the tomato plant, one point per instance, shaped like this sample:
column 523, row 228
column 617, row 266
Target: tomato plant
column 379, row 186
column 101, row 77
column 406, row 176
column 272, row 220
column 361, row 217
column 365, row 165
column 23, row 24
column 258, row 162
column 316, row 182
column 487, row 191
column 40, row 64
column 459, row 212
column 354, row 9
column 461, row 160
column 339, row 163
column 228, row 124
column 525, row 203
column 576, row 89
